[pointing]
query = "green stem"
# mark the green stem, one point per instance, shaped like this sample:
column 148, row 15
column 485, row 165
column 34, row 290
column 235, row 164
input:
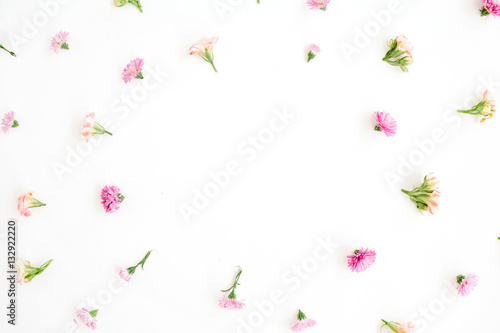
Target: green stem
column 215, row 69
column 11, row 53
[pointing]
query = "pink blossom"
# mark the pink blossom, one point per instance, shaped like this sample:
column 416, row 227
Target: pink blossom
column 313, row 51
column 385, row 123
column 230, row 304
column 490, row 7
column 404, row 44
column 466, row 284
column 205, row 50
column 60, row 41
column 426, row 195
column 22, row 267
column 88, row 317
column 302, row 322
column 124, row 274
column 9, row 122
column 25, row 202
column 133, row 70
column 318, row 4
column 111, row 198
column 361, row 260
column 92, row 127
column 400, row 328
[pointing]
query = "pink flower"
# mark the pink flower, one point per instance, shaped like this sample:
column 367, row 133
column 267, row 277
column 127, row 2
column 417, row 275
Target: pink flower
column 426, row 195
column 25, row 202
column 484, row 108
column 88, row 317
column 124, row 274
column 111, row 198
column 399, row 328
column 230, row 304
column 302, row 322
column 92, row 127
column 466, row 284
column 205, row 50
column 385, row 123
column 400, row 53
column 361, row 260
column 133, row 70
column 313, row 51
column 60, row 41
column 9, row 122
column 404, row 44
column 490, row 7
column 26, row 272
column 318, row 4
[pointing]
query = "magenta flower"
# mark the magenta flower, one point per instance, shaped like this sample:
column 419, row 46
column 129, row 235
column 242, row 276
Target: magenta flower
column 313, row 51
column 133, row 70
column 126, row 274
column 399, row 328
column 318, row 4
column 60, row 41
column 88, row 317
column 205, row 50
column 26, row 272
column 302, row 322
column 385, row 123
column 426, row 195
column 9, row 122
column 361, row 260
column 484, row 108
column 121, row 3
column 490, row 7
column 230, row 302
column 399, row 53
column 25, row 202
column 3, row 48
column 111, row 198
column 466, row 284
column 92, row 128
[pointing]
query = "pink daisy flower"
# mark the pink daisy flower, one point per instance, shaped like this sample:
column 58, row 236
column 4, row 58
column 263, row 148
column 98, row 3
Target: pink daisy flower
column 400, row 328
column 361, row 260
column 466, row 284
column 88, row 317
column 25, row 202
column 302, row 322
column 92, row 127
column 205, row 50
column 133, row 70
column 490, row 7
column 26, row 272
column 9, row 122
column 60, row 41
column 126, row 274
column 111, row 198
column 426, row 195
column 230, row 302
column 318, row 4
column 385, row 123
column 313, row 51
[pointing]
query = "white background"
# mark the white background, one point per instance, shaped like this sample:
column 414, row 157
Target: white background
column 323, row 176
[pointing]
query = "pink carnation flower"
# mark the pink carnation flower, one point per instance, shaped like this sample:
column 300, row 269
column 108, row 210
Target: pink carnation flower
column 92, row 127
column 124, row 274
column 133, row 70
column 205, row 50
column 26, row 272
column 9, row 122
column 399, row 328
column 385, row 123
column 490, row 7
column 230, row 304
column 302, row 322
column 361, row 260
column 318, row 4
column 426, row 195
column 60, row 41
column 466, row 284
column 88, row 317
column 25, row 202
column 313, row 51
column 111, row 198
